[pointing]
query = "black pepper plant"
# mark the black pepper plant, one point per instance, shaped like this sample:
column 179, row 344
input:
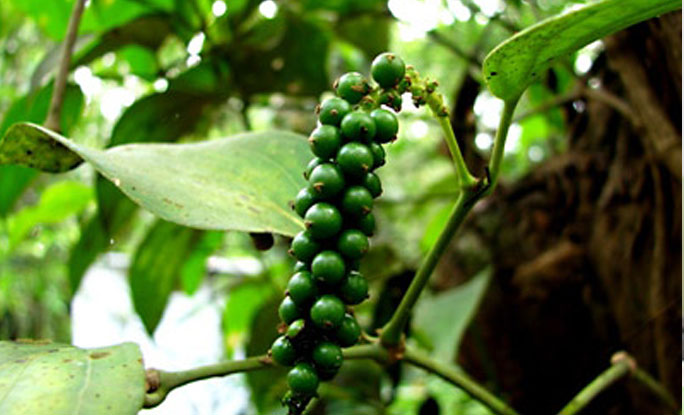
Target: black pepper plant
column 336, row 205
column 319, row 330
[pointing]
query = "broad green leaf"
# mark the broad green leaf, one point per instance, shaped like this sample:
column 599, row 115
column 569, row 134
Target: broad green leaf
column 156, row 267
column 267, row 387
column 142, row 61
column 445, row 316
column 195, row 267
column 243, row 302
column 92, row 242
column 33, row 108
column 58, row 379
column 242, row 183
column 57, row 202
column 520, row 60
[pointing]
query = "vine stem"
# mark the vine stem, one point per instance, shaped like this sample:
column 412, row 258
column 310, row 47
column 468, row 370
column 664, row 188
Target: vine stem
column 160, row 383
column 472, row 191
column 57, row 100
column 500, row 141
column 436, row 103
column 391, row 333
column 452, row 375
column 622, row 365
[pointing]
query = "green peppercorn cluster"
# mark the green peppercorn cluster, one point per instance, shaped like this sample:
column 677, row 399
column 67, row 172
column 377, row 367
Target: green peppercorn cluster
column 336, row 206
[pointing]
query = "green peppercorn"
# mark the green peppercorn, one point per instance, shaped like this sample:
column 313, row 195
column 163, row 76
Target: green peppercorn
column 333, row 110
column 303, row 379
column 304, row 247
column 288, row 310
column 302, row 288
column 352, row 243
column 300, row 266
column 323, row 220
column 355, row 159
column 392, row 99
column 372, row 182
column 357, row 201
column 358, row 126
column 316, row 161
column 327, row 312
column 354, row 288
column 378, row 155
column 283, row 352
column 349, row 331
column 387, row 69
column 325, row 141
column 304, row 200
column 327, row 356
column 386, row 125
column 366, row 224
column 295, row 328
column 327, row 180
column 352, row 86
column 328, row 267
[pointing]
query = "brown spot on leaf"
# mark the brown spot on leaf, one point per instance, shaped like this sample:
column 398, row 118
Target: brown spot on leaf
column 99, row 355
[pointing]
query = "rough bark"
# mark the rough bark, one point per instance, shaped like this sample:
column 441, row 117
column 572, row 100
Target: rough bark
column 587, row 248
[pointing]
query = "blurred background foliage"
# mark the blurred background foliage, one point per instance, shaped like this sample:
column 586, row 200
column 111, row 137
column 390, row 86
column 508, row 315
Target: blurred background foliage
column 188, row 70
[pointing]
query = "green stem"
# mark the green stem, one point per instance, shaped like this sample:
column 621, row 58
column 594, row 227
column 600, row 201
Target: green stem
column 436, row 103
column 391, row 334
column 598, row 385
column 458, row 378
column 622, row 365
column 57, row 100
column 160, row 383
column 656, row 388
column 500, row 141
column 168, row 381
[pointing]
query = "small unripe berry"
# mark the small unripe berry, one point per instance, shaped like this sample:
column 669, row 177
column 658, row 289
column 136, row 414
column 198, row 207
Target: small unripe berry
column 348, row 332
column 327, row 312
column 325, row 141
column 386, row 125
column 357, row 201
column 303, row 379
column 283, row 352
column 352, row 86
column 333, row 110
column 352, row 243
column 355, row 160
column 323, row 220
column 387, row 69
column 328, row 267
column 326, row 180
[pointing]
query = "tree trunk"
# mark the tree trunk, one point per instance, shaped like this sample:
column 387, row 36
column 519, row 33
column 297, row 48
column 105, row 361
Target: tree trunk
column 587, row 248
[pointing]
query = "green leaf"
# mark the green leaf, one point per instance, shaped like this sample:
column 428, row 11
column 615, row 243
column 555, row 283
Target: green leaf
column 146, row 31
column 93, row 240
column 243, row 182
column 243, row 303
column 142, row 61
column 57, row 202
column 445, row 316
column 33, row 107
column 58, row 379
column 156, row 267
column 195, row 267
column 520, row 60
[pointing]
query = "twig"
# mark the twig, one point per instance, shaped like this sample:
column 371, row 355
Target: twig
column 622, row 364
column 55, row 111
column 390, row 335
column 159, row 383
column 500, row 141
column 459, row 379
